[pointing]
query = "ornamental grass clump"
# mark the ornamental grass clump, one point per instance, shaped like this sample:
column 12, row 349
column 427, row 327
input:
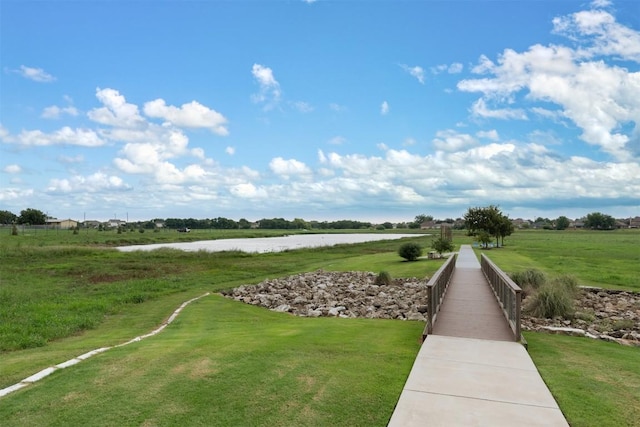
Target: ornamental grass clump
column 529, row 280
column 383, row 279
column 555, row 298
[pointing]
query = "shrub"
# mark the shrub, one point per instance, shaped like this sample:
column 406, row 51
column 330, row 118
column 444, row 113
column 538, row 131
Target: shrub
column 410, row 251
column 14, row 230
column 529, row 280
column 554, row 298
column 383, row 279
column 442, row 245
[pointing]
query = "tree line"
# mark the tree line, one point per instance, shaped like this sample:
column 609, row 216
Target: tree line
column 481, row 221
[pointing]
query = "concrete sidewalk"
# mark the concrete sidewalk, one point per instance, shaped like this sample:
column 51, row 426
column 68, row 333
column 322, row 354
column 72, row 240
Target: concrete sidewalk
column 472, row 382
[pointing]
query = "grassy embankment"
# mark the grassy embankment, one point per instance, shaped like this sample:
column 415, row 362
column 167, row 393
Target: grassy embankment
column 230, row 364
column 220, row 360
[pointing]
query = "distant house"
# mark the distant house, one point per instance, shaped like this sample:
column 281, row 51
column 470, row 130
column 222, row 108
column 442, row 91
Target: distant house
column 62, row 224
column 429, row 225
column 521, row 223
column 115, row 223
column 634, row 222
column 91, row 224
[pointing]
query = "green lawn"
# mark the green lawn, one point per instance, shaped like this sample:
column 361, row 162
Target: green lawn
column 226, row 363
column 608, row 259
column 595, row 383
column 241, row 365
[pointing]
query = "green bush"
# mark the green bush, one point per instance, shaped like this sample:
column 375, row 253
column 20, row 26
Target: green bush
column 383, row 279
column 410, row 251
column 555, row 298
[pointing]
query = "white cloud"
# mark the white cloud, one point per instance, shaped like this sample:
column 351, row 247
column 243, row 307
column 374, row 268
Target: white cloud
column 63, row 136
column 12, row 169
column 286, row 168
column 602, row 100
column 337, row 140
column 71, row 159
column 384, row 108
column 55, row 112
column 450, row 140
column 230, row 150
column 302, row 107
column 248, row 191
column 337, row 107
column 454, row 68
column 269, row 89
column 97, row 182
column 599, row 34
column 480, row 109
column 35, row 74
column 191, row 115
column 117, row 112
column 416, row 71
column 490, row 134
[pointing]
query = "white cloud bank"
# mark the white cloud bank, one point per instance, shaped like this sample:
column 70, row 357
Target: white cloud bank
column 601, row 99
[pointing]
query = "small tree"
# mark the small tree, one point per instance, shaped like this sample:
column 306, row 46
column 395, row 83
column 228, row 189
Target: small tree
column 484, row 238
column 562, row 223
column 410, row 251
column 14, row 230
column 441, row 245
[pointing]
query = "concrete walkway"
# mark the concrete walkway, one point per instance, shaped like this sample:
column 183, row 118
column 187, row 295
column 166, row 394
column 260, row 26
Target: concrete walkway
column 471, row 372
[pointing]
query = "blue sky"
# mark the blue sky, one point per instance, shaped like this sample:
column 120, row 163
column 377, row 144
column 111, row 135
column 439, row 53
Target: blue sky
column 372, row 110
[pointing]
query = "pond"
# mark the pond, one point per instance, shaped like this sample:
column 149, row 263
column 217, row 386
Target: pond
column 270, row 244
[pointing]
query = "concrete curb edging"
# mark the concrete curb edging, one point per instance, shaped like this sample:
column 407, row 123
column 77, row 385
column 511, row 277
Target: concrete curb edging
column 48, row 371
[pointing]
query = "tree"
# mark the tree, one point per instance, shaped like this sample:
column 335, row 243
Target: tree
column 489, row 220
column 7, row 217
column 562, row 223
column 387, row 225
column 32, row 217
column 599, row 221
column 410, row 251
column 441, row 245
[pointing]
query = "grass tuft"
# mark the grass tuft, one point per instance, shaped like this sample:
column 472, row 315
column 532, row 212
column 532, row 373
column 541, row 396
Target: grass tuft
column 555, row 298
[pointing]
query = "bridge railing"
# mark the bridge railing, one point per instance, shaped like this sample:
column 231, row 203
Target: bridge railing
column 509, row 294
column 436, row 288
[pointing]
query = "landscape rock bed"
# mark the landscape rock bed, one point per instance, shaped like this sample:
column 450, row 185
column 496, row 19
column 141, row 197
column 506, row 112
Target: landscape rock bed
column 605, row 314
column 338, row 294
column 600, row 313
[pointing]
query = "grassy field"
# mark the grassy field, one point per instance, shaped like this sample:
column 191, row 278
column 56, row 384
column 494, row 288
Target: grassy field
column 595, row 383
column 608, row 259
column 232, row 364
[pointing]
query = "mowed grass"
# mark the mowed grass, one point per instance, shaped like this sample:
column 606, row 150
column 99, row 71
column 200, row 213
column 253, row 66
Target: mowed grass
column 58, row 301
column 595, row 383
column 229, row 364
column 608, row 259
column 225, row 363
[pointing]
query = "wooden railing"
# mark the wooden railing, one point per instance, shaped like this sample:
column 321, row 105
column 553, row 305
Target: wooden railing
column 436, row 288
column 509, row 294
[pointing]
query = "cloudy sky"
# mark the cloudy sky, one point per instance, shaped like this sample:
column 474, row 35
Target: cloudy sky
column 344, row 109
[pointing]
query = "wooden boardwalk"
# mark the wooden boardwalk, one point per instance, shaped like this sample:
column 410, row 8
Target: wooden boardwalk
column 470, row 309
column 471, row 371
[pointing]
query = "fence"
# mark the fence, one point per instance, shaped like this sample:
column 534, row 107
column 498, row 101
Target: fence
column 509, row 294
column 436, row 288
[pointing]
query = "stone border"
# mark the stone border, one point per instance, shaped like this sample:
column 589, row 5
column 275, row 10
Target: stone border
column 50, row 370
